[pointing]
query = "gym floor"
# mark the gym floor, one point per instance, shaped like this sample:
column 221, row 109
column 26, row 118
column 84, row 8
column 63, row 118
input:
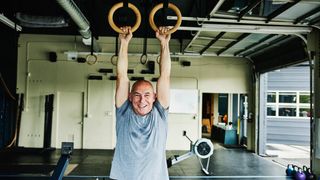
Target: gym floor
column 226, row 163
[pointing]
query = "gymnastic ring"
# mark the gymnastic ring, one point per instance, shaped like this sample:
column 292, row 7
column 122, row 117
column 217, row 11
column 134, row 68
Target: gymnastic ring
column 158, row 59
column 116, row 7
column 142, row 60
column 114, row 60
column 170, row 6
column 91, row 61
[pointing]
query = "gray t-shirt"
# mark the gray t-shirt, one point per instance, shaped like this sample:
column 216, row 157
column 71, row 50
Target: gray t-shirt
column 141, row 143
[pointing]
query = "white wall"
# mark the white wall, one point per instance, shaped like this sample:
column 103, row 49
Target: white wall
column 67, row 79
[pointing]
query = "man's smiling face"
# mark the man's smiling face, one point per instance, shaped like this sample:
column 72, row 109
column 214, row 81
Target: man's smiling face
column 142, row 97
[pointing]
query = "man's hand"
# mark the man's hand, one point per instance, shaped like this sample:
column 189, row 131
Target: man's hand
column 126, row 35
column 162, row 36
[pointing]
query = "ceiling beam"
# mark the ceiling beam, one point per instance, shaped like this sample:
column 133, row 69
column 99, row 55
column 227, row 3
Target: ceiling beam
column 248, row 8
column 10, row 23
column 194, row 38
column 315, row 20
column 306, row 15
column 216, row 7
column 212, row 42
column 240, row 38
column 241, row 28
column 234, row 20
column 281, row 9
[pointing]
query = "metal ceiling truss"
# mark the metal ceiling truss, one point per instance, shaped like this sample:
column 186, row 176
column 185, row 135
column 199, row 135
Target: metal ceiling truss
column 212, row 42
column 308, row 14
column 224, row 22
column 315, row 21
column 193, row 39
column 248, row 8
column 281, row 9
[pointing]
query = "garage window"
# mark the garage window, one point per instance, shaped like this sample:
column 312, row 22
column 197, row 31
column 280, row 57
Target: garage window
column 288, row 111
column 287, row 97
column 288, row 104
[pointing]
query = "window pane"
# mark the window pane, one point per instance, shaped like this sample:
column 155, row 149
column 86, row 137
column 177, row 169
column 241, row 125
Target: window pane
column 304, row 98
column 287, row 111
column 271, row 97
column 287, row 97
column 304, row 112
column 271, row 111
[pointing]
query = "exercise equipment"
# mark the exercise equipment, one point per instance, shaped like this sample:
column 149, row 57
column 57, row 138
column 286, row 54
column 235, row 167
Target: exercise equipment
column 144, row 57
column 294, row 171
column 66, row 151
column 170, row 6
column 91, row 58
column 114, row 58
column 299, row 175
column 309, row 175
column 289, row 169
column 202, row 148
column 120, row 5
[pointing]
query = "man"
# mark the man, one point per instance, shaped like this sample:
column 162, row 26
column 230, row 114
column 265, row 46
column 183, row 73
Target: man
column 141, row 115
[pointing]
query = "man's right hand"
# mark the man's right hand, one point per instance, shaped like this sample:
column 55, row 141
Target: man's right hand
column 162, row 36
column 126, row 35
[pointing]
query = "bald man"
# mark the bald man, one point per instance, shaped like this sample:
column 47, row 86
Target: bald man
column 141, row 117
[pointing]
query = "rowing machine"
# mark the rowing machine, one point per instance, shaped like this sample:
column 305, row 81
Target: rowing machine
column 202, row 148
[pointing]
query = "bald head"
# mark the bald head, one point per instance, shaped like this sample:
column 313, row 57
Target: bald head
column 142, row 97
column 143, row 83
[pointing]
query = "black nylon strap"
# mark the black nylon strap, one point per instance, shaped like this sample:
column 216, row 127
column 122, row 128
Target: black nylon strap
column 116, row 46
column 146, row 11
column 165, row 4
column 125, row 3
column 92, row 43
column 164, row 9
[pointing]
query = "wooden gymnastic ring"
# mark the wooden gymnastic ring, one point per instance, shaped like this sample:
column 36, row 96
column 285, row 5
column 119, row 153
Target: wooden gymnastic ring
column 114, row 60
column 144, row 59
column 170, row 6
column 116, row 7
column 89, row 61
column 158, row 59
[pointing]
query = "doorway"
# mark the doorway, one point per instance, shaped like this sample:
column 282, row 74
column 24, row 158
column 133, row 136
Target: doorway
column 207, row 114
column 224, row 117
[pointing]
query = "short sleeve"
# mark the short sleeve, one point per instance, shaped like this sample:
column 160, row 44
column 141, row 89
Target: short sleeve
column 122, row 109
column 162, row 111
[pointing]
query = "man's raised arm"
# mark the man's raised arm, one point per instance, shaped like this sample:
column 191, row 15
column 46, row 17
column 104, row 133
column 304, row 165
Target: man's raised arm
column 163, row 84
column 123, row 83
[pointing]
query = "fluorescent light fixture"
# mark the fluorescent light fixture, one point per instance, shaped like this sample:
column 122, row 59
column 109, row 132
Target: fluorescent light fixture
column 10, row 23
column 249, row 29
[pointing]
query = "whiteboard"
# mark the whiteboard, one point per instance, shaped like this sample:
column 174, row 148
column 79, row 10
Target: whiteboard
column 183, row 101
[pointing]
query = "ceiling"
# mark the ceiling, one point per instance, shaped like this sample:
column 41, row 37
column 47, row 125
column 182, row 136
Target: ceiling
column 254, row 29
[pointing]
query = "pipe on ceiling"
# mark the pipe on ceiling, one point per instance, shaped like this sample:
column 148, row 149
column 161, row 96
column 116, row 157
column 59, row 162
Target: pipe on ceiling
column 9, row 23
column 84, row 26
